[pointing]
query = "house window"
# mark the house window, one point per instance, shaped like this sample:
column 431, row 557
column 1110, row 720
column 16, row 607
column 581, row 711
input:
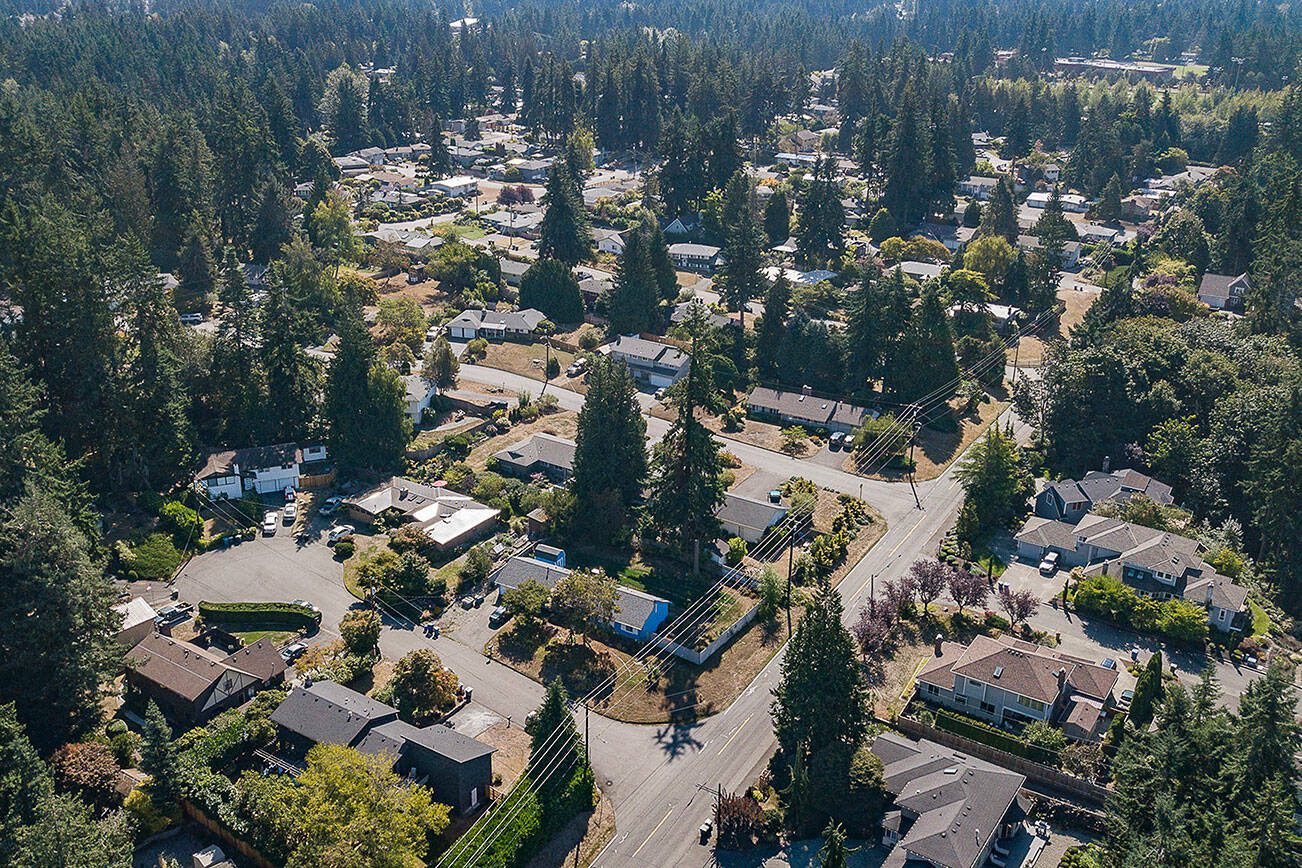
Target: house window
column 933, row 689
column 960, row 699
column 1221, row 616
column 987, row 707
column 1028, row 702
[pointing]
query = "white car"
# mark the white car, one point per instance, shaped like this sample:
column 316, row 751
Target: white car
column 291, row 512
column 331, row 505
column 338, row 532
column 1049, row 565
column 270, row 522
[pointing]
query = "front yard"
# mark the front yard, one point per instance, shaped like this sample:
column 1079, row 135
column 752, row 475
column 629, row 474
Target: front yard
column 937, row 449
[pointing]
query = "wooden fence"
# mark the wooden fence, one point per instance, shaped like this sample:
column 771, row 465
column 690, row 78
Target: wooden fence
column 229, row 842
column 1055, row 782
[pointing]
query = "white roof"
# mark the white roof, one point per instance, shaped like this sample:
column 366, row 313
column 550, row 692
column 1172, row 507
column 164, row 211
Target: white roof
column 135, row 612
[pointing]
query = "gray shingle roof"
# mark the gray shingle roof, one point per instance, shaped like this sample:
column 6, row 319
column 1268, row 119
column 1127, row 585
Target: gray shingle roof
column 544, row 447
column 632, row 607
column 329, row 713
column 749, row 513
column 510, row 320
column 959, row 801
column 391, row 737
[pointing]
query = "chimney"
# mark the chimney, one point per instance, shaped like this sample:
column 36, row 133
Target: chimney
column 1107, row 463
column 1062, row 680
column 805, row 390
column 1211, row 588
column 939, row 640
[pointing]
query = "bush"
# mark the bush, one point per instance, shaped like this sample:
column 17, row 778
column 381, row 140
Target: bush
column 153, row 559
column 736, row 551
column 145, row 816
column 360, row 630
column 182, row 522
column 344, row 549
column 260, row 616
column 123, row 745
column 996, row 738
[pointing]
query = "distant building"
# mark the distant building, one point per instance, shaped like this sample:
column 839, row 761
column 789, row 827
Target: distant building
column 805, row 408
column 1070, row 500
column 230, row 473
column 457, row 768
column 637, row 614
column 448, row 518
column 494, row 324
column 540, row 453
column 1010, row 682
column 456, row 187
column 978, row 187
column 1223, row 291
column 748, row 518
column 419, row 394
column 652, row 364
column 137, row 621
column 695, row 257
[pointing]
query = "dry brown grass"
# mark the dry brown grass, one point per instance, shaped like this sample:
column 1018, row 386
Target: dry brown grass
column 512, row 744
column 1077, row 302
column 762, row 434
column 561, row 424
column 528, row 360
column 586, row 833
column 936, row 450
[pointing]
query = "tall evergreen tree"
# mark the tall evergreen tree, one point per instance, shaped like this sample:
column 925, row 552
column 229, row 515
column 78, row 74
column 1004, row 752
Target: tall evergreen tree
column 564, row 233
column 924, row 363
column 741, row 278
column 292, row 377
column 999, row 216
column 365, row 405
column 158, row 758
column 777, row 218
column 877, row 311
column 610, row 462
column 550, row 286
column 905, row 161
column 632, row 305
column 773, row 328
column 820, row 228
column 237, row 387
column 274, row 227
column 57, row 621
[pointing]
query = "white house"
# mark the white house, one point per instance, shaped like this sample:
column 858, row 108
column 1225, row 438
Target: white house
column 457, row 187
column 1223, row 291
column 419, row 395
column 652, row 364
column 230, row 473
column 694, row 257
column 748, row 518
column 609, row 241
column 494, row 324
column 137, row 621
column 978, row 186
column 1069, row 202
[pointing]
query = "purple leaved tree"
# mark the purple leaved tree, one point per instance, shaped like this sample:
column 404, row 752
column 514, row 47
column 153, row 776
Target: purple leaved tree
column 968, row 589
column 930, row 577
column 1018, row 605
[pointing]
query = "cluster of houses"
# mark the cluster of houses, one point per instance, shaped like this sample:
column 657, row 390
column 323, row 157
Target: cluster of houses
column 1153, row 563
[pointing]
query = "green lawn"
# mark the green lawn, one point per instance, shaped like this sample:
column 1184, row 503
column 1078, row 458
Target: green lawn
column 278, row 637
column 673, row 583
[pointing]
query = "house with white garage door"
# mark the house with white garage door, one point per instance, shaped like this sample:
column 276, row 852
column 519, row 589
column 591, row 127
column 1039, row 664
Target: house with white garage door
column 231, row 473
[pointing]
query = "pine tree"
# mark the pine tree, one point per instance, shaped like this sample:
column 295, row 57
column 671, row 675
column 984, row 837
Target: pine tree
column 833, row 853
column 564, row 233
column 610, row 462
column 158, row 757
column 741, row 278
column 440, row 366
column 56, row 621
column 438, row 162
column 364, row 403
column 292, row 377
column 686, row 486
column 777, row 218
column 237, row 386
column 197, row 273
column 550, row 286
column 1148, row 693
column 820, row 224
column 923, row 364
column 905, row 161
column 632, row 306
column 554, row 739
column 877, row 311
column 274, row 226
column 662, row 264
column 682, row 174
column 995, row 484
column 999, row 216
column 773, row 328
column 821, row 699
column 25, row 783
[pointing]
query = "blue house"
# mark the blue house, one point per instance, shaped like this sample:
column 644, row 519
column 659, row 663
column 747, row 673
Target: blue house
column 637, row 614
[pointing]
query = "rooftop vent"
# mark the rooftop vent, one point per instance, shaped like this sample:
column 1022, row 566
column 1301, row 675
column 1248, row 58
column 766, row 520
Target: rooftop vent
column 999, row 670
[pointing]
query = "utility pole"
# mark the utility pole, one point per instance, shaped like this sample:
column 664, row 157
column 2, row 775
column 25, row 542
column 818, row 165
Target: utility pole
column 587, row 744
column 791, row 560
column 872, row 594
column 913, row 439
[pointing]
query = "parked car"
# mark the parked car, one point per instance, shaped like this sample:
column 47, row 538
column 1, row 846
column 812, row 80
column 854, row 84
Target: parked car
column 467, row 602
column 290, row 653
column 338, row 532
column 331, row 505
column 1049, row 565
column 775, row 496
column 837, row 440
column 660, row 393
column 290, row 512
column 306, row 605
column 290, row 494
column 270, row 522
column 1127, row 697
column 707, row 828
column 578, row 366
column 497, row 617
column 191, row 319
column 479, row 600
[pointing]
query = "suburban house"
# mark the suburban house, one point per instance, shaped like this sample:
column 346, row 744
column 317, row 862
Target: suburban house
column 494, row 324
column 1069, row 500
column 1010, row 682
column 651, row 363
column 1070, row 249
column 540, row 453
column 1153, row 563
column 456, row 768
column 449, row 519
column 684, row 310
column 610, row 240
column 747, row 518
column 804, row 408
column 978, row 187
column 1223, row 291
column 1068, row 201
column 920, row 271
column 637, row 614
column 512, row 223
column 788, row 158
column 230, row 473
column 414, row 244
column 420, row 392
column 513, row 271
column 949, row 810
column 192, row 684
column 534, row 171
column 683, row 224
column 137, row 621
column 456, row 187
column 694, row 257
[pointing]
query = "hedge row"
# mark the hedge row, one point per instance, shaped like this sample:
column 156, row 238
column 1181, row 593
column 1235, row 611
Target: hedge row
column 996, row 738
column 260, row 616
